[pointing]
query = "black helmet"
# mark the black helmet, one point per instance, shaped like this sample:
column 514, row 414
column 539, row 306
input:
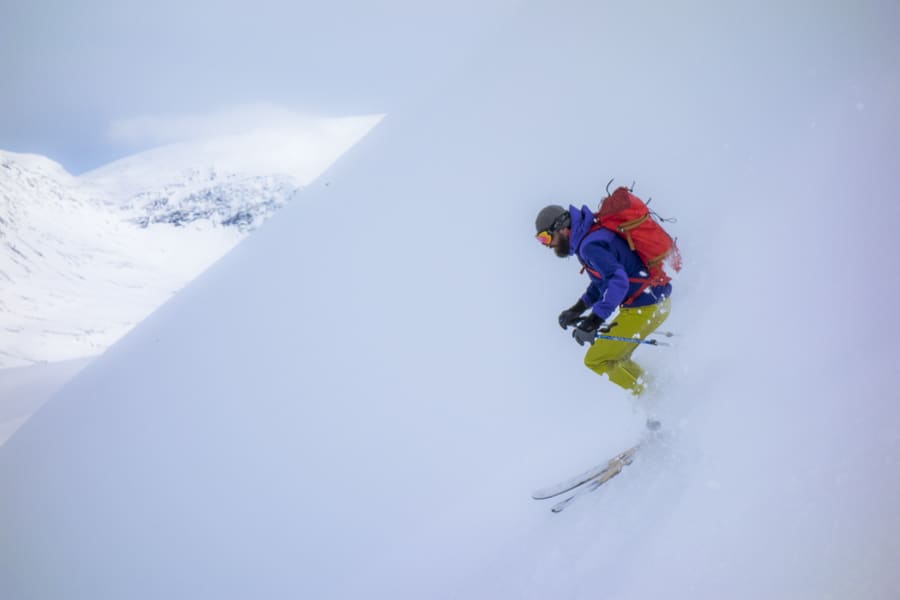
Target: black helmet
column 552, row 218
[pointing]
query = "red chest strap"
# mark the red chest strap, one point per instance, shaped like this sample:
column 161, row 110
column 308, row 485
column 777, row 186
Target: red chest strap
column 659, row 279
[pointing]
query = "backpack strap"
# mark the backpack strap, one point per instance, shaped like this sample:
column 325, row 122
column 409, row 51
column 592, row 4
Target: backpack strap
column 660, row 278
column 644, row 281
column 625, row 229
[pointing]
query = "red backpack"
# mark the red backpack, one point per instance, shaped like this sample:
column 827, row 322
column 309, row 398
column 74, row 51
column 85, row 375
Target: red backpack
column 628, row 216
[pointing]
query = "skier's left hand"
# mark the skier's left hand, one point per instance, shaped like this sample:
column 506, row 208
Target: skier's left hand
column 586, row 331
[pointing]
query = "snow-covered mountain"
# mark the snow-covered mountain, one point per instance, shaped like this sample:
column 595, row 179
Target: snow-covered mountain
column 85, row 258
column 222, row 200
column 235, row 180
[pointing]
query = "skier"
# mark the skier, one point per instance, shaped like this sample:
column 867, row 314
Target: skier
column 615, row 273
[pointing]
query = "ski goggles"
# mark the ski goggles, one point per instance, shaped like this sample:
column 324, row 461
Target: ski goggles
column 545, row 236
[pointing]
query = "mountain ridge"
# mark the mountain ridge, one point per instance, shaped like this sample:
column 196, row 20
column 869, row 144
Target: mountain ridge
column 86, row 257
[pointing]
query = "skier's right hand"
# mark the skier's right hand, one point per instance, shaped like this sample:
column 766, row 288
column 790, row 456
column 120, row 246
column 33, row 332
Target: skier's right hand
column 572, row 315
column 586, row 330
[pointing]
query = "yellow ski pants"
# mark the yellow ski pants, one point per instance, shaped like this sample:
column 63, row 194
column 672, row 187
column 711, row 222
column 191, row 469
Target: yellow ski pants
column 613, row 358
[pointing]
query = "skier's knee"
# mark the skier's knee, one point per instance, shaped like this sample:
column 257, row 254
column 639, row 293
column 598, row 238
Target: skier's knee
column 598, row 366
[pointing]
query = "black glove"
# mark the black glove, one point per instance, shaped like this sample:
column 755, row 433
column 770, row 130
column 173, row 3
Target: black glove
column 572, row 315
column 586, row 331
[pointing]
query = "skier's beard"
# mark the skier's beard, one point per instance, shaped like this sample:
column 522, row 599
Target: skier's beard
column 562, row 247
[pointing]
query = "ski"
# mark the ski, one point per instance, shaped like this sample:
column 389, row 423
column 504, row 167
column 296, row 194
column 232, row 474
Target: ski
column 588, row 481
column 615, row 467
column 570, row 484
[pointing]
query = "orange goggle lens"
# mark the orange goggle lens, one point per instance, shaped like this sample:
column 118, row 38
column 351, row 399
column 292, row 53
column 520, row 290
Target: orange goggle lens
column 544, row 237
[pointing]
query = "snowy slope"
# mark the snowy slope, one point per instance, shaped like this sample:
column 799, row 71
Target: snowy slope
column 25, row 389
column 85, row 258
column 391, row 384
column 75, row 274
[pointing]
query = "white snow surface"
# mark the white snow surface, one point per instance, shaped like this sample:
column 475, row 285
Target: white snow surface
column 25, row 389
column 358, row 406
column 82, row 259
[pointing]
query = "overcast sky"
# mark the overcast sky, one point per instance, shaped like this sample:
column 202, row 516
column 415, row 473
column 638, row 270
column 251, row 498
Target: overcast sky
column 80, row 70
column 77, row 74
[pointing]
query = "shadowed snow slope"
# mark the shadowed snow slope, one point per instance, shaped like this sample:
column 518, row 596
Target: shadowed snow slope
column 357, row 401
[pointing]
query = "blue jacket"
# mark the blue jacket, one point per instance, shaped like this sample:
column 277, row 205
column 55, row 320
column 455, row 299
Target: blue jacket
column 604, row 252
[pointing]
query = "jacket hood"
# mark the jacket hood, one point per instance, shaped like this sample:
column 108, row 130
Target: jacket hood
column 582, row 220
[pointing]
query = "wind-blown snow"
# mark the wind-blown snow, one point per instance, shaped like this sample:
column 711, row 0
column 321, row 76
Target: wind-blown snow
column 357, row 401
